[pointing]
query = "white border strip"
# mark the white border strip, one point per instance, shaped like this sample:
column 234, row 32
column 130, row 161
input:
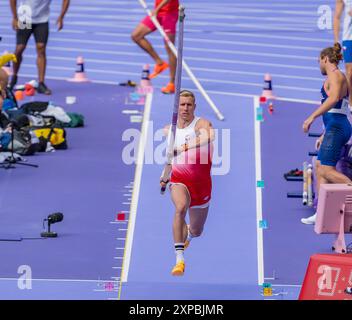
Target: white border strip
column 136, row 189
column 258, row 177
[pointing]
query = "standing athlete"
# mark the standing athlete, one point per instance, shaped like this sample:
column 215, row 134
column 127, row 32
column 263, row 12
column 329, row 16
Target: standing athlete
column 334, row 109
column 37, row 11
column 190, row 181
column 346, row 7
column 166, row 12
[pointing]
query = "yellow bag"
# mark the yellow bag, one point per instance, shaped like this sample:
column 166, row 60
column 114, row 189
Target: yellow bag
column 56, row 136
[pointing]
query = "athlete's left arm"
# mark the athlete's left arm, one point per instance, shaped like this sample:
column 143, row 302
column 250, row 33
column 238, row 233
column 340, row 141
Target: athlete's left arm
column 205, row 135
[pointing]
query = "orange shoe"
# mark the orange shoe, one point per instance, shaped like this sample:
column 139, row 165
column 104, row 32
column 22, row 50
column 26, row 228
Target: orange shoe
column 159, row 68
column 169, row 89
column 178, row 269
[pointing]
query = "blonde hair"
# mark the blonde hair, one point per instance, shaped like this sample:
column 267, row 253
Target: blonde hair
column 333, row 53
column 187, row 93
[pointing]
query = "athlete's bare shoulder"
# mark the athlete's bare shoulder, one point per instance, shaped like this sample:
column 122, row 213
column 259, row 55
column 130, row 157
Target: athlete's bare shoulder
column 203, row 123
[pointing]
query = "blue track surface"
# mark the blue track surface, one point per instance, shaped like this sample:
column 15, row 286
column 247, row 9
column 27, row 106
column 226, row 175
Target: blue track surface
column 229, row 45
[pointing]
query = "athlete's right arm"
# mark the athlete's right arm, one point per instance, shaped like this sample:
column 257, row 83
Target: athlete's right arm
column 337, row 18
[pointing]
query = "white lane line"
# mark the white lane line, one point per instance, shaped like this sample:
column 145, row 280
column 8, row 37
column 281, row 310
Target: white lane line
column 197, row 17
column 117, row 267
column 237, row 43
column 247, row 26
column 187, row 48
column 136, row 189
column 258, row 177
column 258, row 35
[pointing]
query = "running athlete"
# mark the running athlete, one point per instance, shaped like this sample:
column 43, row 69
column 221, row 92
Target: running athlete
column 346, row 7
column 190, row 181
column 166, row 12
column 334, row 109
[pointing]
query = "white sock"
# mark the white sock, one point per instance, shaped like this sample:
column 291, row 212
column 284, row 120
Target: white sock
column 179, row 247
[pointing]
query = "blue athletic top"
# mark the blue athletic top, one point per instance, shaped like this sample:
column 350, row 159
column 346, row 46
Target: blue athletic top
column 338, row 112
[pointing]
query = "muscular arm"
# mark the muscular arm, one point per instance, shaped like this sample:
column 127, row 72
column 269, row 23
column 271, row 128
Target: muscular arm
column 337, row 17
column 334, row 96
column 205, row 134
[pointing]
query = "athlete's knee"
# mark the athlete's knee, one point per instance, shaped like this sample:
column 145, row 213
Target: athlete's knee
column 19, row 51
column 317, row 167
column 181, row 210
column 325, row 171
column 41, row 49
column 195, row 232
column 136, row 36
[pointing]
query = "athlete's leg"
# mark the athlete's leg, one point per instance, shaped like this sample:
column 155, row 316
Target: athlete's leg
column 172, row 57
column 320, row 176
column 138, row 36
column 331, row 175
column 22, row 37
column 197, row 218
column 181, row 199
